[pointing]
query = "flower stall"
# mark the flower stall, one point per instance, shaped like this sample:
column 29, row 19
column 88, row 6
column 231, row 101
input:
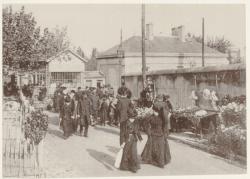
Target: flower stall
column 231, row 133
column 201, row 120
column 194, row 119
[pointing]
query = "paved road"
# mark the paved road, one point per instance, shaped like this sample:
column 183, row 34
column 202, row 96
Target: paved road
column 95, row 156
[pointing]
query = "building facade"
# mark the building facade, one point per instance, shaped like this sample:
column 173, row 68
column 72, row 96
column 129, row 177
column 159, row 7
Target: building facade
column 162, row 53
column 66, row 68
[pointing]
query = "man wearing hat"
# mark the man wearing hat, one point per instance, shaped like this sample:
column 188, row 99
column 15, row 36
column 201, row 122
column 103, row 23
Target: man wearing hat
column 60, row 102
column 84, row 110
column 95, row 105
column 122, row 108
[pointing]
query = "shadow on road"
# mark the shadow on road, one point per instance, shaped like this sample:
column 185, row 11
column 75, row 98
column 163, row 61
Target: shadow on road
column 103, row 158
column 113, row 149
column 54, row 120
column 56, row 133
column 111, row 131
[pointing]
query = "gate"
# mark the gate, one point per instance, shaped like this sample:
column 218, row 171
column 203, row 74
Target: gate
column 18, row 154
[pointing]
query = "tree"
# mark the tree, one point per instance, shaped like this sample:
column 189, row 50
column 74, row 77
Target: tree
column 218, row 43
column 24, row 45
column 92, row 63
column 52, row 42
column 18, row 37
column 80, row 52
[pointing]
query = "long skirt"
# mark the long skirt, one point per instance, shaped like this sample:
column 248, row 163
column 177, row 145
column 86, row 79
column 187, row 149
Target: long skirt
column 156, row 151
column 67, row 127
column 104, row 117
column 167, row 152
column 130, row 160
column 123, row 126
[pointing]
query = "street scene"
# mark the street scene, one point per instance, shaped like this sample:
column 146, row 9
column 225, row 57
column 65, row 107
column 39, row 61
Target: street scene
column 110, row 90
column 101, row 158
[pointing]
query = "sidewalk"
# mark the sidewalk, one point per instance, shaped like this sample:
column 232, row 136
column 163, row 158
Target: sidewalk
column 190, row 139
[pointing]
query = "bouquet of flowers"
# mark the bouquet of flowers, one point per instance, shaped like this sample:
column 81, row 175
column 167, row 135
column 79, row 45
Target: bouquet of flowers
column 144, row 112
column 232, row 140
column 229, row 99
column 36, row 126
column 233, row 115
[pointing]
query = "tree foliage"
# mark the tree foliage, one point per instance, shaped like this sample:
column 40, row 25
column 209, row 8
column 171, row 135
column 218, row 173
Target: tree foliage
column 219, row 43
column 23, row 43
column 92, row 63
column 18, row 36
column 80, row 52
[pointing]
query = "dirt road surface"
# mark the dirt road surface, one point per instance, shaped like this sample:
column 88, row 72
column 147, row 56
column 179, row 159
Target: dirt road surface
column 95, row 156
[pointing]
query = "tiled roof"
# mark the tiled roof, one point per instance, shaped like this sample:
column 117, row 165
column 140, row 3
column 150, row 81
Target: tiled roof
column 160, row 44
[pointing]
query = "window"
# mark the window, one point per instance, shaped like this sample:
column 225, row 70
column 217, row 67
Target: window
column 99, row 83
column 66, row 77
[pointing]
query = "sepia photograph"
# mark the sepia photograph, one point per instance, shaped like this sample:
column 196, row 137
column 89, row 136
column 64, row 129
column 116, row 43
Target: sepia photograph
column 123, row 90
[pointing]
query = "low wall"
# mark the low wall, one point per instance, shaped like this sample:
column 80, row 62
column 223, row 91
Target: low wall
column 230, row 79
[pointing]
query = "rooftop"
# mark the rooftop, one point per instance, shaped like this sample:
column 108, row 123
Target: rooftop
column 160, row 45
column 65, row 52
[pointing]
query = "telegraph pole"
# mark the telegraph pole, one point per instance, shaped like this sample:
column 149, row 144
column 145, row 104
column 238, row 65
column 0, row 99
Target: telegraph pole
column 143, row 46
column 203, row 60
column 121, row 38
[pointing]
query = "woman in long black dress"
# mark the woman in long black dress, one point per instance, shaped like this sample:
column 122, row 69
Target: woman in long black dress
column 156, row 150
column 67, row 121
column 130, row 160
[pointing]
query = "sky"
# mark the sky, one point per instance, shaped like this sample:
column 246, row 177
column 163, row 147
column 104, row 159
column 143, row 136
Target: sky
column 99, row 25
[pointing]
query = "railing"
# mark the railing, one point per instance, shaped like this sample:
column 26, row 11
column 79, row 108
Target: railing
column 19, row 155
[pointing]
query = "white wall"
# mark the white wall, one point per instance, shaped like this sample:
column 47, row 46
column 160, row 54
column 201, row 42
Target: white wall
column 133, row 64
column 93, row 81
column 66, row 62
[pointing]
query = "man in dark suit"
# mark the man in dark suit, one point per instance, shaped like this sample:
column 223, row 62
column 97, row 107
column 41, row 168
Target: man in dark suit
column 84, row 110
column 60, row 103
column 95, row 106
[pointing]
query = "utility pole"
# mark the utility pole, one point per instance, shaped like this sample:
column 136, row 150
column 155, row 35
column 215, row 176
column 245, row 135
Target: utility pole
column 143, row 47
column 121, row 39
column 203, row 60
column 120, row 55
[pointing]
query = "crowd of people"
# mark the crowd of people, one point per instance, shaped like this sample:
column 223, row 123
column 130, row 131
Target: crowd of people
column 92, row 106
column 84, row 107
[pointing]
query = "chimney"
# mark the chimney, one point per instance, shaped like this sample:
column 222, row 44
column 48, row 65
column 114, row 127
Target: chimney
column 149, row 31
column 94, row 53
column 179, row 32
